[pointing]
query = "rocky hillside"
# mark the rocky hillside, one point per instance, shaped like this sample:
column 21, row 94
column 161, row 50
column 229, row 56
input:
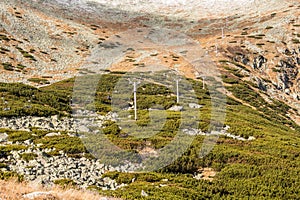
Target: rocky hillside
column 44, row 42
column 40, row 48
column 265, row 51
column 47, row 46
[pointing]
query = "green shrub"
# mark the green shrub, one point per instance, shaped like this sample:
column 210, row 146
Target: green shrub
column 39, row 80
column 10, row 175
column 19, row 136
column 229, row 80
column 70, row 145
column 65, row 183
column 4, row 37
column 111, row 128
column 42, row 102
column 8, row 66
column 296, row 41
column 5, row 150
column 28, row 156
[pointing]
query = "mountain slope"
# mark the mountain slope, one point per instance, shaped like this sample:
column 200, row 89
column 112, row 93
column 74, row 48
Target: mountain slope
column 51, row 44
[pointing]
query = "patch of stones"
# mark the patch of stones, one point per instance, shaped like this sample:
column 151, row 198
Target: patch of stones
column 84, row 172
column 79, row 123
column 222, row 132
column 46, row 169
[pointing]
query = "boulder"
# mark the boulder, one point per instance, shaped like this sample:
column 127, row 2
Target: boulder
column 53, row 134
column 3, row 137
column 176, row 108
column 195, row 106
column 259, row 61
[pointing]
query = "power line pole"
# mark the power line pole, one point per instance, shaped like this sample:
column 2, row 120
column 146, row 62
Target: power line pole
column 177, row 79
column 225, row 26
column 134, row 97
column 177, row 90
column 222, row 32
column 135, row 83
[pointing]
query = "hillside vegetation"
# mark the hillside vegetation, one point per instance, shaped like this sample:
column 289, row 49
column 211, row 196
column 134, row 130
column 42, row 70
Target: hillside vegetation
column 264, row 168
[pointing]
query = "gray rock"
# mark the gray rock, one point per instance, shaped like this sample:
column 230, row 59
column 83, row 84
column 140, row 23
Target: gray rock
column 144, row 194
column 194, row 105
column 176, row 108
column 259, row 61
column 3, row 137
column 53, row 134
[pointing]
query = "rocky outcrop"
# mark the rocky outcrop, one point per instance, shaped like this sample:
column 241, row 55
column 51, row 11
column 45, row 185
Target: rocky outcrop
column 259, row 62
column 242, row 59
column 287, row 73
column 261, row 84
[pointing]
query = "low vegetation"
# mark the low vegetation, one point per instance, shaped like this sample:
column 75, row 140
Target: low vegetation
column 23, row 100
column 39, row 80
column 28, row 156
column 264, row 168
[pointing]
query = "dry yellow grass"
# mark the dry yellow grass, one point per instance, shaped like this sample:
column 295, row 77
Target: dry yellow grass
column 13, row 190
